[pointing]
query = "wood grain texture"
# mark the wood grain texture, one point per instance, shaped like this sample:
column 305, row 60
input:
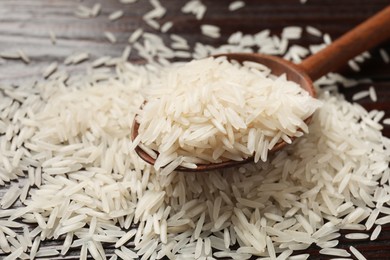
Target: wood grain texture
column 25, row 25
column 361, row 38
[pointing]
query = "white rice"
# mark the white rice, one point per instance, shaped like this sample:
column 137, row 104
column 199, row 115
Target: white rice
column 166, row 27
column 313, row 31
column 110, row 36
column 235, row 5
column 96, row 8
column 299, row 257
column 152, row 23
column 376, row 232
column 292, row 32
column 334, row 252
column 383, row 220
column 76, row 58
column 53, row 37
column 23, row 56
column 360, row 95
column 47, row 252
column 88, row 12
column 353, row 65
column 372, row 93
column 10, row 55
column 356, row 253
column 218, row 123
column 15, row 254
column 126, row 53
column 83, row 12
column 101, row 188
column 327, row 39
column 100, row 61
column 115, row 15
column 384, row 55
column 127, row 1
column 135, row 35
column 357, row 236
column 195, row 7
column 211, row 31
column 10, row 197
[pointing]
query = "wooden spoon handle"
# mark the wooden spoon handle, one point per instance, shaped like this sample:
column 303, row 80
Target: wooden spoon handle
column 362, row 38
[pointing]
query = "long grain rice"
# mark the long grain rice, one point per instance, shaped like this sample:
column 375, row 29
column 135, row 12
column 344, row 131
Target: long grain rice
column 356, row 253
column 115, row 15
column 235, row 5
column 50, row 69
column 209, row 30
column 376, row 232
column 360, row 95
column 334, row 252
column 313, row 31
column 110, row 36
column 384, row 55
column 372, row 94
column 91, row 188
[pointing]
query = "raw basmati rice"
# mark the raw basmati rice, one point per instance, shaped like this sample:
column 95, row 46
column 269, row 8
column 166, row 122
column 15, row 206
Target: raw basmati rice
column 292, row 32
column 53, row 37
column 353, row 65
column 100, row 61
column 235, row 5
column 101, row 188
column 211, row 31
column 166, row 27
column 356, row 253
column 360, row 95
column 152, row 23
column 10, row 197
column 76, row 58
column 87, row 12
column 195, row 7
column 383, row 220
column 376, row 232
column 372, row 93
column 96, row 8
column 357, row 236
column 15, row 254
column 135, row 35
column 327, row 39
column 115, row 15
column 334, row 252
column 218, row 123
column 110, row 36
column 10, row 55
column 47, row 252
column 384, row 55
column 23, row 56
column 313, row 31
column 299, row 257
column 127, row 1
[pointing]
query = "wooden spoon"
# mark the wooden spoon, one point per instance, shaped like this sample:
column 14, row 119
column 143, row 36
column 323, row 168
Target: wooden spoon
column 363, row 37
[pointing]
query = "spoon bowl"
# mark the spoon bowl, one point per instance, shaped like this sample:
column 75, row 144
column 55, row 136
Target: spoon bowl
column 363, row 37
column 278, row 67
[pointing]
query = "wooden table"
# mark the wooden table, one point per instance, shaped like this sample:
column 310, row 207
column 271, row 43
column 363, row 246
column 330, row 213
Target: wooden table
column 25, row 25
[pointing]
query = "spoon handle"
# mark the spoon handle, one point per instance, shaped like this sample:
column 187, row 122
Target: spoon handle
column 362, row 38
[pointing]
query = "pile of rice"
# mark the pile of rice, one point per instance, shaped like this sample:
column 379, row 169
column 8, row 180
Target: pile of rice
column 213, row 110
column 73, row 180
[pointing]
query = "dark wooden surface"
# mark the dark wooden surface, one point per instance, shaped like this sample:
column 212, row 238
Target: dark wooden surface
column 25, row 24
